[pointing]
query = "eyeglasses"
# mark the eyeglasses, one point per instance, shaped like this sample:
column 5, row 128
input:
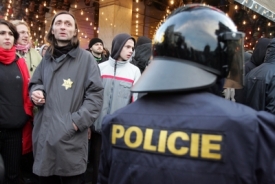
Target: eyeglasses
column 24, row 32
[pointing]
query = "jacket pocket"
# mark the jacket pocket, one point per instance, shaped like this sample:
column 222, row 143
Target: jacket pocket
column 69, row 128
column 124, row 89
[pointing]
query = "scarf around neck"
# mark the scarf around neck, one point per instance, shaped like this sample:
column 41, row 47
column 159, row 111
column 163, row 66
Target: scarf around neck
column 59, row 51
column 23, row 48
column 7, row 56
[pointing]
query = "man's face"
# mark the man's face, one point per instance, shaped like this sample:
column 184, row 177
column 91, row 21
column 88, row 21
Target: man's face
column 24, row 34
column 127, row 50
column 97, row 48
column 64, row 29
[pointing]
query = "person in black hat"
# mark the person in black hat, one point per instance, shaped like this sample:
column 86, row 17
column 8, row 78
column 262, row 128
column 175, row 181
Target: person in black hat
column 96, row 47
column 143, row 52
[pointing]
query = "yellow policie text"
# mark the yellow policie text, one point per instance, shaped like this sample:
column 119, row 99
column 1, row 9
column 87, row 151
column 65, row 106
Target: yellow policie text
column 188, row 143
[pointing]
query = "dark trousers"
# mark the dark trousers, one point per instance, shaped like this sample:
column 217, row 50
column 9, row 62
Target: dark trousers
column 11, row 151
column 78, row 179
column 94, row 156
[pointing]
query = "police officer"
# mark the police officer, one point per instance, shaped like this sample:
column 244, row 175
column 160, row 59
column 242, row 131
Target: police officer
column 182, row 131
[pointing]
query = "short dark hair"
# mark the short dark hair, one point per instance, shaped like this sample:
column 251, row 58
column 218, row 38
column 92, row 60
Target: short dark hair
column 50, row 37
column 12, row 28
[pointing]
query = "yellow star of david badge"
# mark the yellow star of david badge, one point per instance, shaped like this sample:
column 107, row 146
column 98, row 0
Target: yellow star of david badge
column 67, row 83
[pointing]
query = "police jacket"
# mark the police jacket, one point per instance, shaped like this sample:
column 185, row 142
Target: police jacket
column 260, row 83
column 195, row 138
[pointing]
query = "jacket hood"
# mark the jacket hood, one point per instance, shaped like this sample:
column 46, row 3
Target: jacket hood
column 270, row 52
column 42, row 47
column 258, row 54
column 142, row 56
column 118, row 43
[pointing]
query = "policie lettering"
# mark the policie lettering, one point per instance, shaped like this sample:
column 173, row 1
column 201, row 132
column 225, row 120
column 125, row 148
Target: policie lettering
column 191, row 144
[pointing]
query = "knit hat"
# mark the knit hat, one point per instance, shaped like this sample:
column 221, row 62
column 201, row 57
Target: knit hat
column 94, row 41
column 118, row 43
column 142, row 40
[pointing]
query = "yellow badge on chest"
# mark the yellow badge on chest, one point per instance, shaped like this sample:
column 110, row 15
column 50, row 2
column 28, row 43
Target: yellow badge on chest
column 67, row 83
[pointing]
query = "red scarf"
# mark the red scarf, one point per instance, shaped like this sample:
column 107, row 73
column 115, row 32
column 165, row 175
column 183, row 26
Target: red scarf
column 28, row 107
column 7, row 56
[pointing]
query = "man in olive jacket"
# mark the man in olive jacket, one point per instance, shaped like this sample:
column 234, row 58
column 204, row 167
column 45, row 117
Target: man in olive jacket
column 68, row 91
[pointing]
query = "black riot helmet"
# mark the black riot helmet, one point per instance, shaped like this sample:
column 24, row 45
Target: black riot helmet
column 194, row 47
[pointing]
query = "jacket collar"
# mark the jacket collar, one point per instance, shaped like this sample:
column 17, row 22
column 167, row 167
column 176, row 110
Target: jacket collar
column 72, row 53
column 119, row 63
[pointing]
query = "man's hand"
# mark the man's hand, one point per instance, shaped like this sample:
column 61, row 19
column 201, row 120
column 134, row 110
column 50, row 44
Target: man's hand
column 38, row 97
column 75, row 127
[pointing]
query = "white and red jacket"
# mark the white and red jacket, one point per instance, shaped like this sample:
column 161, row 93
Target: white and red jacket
column 118, row 78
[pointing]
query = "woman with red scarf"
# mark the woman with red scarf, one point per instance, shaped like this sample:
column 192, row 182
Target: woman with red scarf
column 15, row 105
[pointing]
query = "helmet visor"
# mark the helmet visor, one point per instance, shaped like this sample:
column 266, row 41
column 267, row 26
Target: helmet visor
column 234, row 59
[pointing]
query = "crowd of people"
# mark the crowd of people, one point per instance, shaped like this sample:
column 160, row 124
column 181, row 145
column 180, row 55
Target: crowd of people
column 183, row 108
